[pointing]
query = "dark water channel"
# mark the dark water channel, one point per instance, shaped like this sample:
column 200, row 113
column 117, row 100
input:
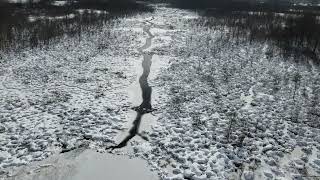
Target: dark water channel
column 145, row 107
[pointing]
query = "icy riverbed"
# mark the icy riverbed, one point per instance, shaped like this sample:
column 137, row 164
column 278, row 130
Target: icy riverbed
column 84, row 164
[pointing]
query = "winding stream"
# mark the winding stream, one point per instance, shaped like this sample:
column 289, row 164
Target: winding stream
column 145, row 107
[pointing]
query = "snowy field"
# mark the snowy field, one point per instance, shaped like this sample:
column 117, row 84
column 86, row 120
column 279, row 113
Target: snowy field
column 57, row 97
column 231, row 112
column 223, row 110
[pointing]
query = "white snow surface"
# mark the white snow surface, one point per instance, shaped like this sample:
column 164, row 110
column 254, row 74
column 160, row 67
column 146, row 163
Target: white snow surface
column 198, row 94
column 91, row 11
column 51, row 18
column 59, row 3
column 221, row 114
column 56, row 97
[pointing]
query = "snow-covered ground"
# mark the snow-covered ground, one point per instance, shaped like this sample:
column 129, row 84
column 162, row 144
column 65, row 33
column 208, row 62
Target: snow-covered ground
column 224, row 110
column 231, row 112
column 59, row 3
column 56, row 97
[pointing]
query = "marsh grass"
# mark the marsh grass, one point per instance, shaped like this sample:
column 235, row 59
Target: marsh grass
column 39, row 24
column 293, row 33
column 295, row 29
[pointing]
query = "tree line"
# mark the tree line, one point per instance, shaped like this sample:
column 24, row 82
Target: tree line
column 29, row 25
column 295, row 29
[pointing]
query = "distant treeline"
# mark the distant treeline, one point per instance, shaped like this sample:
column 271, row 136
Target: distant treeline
column 78, row 1
column 294, row 28
column 239, row 4
column 38, row 23
column 292, row 33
